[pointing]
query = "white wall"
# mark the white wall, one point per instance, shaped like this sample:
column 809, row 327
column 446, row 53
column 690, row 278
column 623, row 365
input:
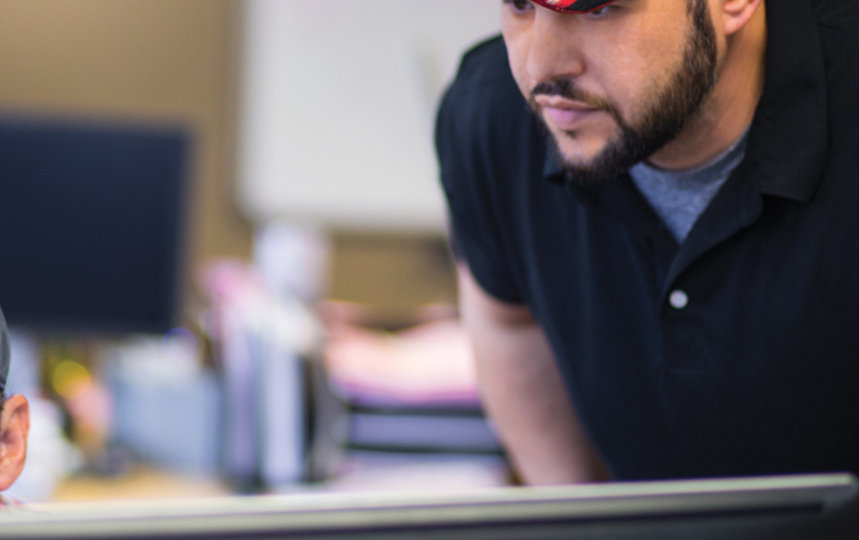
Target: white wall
column 338, row 105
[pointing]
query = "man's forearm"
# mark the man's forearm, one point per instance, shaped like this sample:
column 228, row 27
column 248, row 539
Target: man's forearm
column 523, row 392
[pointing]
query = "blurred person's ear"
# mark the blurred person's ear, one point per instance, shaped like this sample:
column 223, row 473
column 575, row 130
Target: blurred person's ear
column 14, row 426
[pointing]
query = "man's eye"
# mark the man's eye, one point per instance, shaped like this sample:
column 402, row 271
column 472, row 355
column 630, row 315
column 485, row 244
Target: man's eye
column 520, row 6
column 601, row 12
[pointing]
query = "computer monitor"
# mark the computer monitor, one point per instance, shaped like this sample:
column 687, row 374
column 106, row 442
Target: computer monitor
column 92, row 219
column 782, row 508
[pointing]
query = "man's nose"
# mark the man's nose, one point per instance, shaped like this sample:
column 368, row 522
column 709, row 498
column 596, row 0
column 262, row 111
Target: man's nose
column 556, row 46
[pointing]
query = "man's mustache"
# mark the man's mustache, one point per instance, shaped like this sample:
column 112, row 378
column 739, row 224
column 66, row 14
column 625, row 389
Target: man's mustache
column 567, row 89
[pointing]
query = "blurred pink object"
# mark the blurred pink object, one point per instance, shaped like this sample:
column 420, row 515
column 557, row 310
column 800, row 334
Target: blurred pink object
column 426, row 364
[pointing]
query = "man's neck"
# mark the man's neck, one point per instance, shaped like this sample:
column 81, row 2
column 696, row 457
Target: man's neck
column 730, row 107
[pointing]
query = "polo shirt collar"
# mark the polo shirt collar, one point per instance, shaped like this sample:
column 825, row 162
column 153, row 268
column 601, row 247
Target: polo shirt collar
column 789, row 133
column 788, row 136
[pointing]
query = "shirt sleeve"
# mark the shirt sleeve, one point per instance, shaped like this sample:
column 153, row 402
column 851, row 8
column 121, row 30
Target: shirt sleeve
column 463, row 140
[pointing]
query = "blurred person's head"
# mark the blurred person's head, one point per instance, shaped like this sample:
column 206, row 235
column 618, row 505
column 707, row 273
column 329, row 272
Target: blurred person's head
column 14, row 420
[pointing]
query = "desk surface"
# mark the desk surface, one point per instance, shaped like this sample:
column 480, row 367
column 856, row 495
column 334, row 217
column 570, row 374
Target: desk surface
column 138, row 483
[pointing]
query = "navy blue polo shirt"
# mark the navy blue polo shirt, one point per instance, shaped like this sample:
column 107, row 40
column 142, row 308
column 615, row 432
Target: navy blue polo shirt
column 735, row 353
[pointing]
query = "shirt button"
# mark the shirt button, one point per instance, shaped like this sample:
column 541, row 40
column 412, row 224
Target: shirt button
column 678, row 299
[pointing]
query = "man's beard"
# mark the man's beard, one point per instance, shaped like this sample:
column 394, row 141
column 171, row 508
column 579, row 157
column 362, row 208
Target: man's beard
column 663, row 117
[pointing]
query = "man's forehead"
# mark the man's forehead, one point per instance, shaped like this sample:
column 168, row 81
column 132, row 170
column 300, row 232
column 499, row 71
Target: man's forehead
column 573, row 6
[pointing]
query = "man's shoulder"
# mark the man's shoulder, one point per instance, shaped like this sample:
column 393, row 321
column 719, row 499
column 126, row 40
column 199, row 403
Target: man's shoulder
column 487, row 58
column 487, row 138
column 483, row 103
column 483, row 80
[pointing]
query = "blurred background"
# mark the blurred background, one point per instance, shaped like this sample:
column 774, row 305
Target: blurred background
column 225, row 267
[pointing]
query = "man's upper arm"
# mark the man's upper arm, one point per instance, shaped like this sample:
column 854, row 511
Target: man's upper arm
column 470, row 138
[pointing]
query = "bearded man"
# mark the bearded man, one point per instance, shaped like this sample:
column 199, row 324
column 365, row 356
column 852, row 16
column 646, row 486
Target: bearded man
column 654, row 207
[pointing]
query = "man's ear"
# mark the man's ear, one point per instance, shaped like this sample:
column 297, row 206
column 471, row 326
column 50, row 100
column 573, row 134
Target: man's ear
column 14, row 427
column 737, row 13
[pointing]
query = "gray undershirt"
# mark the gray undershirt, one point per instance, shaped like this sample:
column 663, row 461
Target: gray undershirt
column 679, row 197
